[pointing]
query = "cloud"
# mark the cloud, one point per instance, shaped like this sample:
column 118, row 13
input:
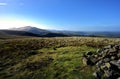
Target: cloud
column 3, row 4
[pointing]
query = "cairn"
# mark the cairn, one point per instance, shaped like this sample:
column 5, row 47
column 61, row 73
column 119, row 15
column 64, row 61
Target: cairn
column 106, row 60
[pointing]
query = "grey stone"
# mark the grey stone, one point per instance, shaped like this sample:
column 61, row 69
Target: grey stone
column 107, row 60
column 98, row 74
column 118, row 78
column 89, row 53
column 108, row 47
column 115, row 62
column 85, row 60
column 117, row 47
column 113, row 50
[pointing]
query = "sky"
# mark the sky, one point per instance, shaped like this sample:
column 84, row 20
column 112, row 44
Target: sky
column 73, row 15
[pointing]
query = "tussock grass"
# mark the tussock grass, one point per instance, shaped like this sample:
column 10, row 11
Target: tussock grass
column 48, row 58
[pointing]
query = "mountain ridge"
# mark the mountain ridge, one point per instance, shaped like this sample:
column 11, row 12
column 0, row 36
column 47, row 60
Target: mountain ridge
column 31, row 29
column 59, row 33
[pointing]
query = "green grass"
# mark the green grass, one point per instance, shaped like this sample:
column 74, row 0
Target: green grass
column 66, row 64
column 48, row 58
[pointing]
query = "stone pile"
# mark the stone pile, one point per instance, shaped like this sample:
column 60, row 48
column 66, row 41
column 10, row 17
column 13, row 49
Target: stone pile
column 106, row 60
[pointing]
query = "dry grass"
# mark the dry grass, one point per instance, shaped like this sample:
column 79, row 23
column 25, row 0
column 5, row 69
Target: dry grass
column 48, row 58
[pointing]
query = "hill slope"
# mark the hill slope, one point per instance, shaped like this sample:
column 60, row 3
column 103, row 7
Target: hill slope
column 39, row 32
column 32, row 30
column 49, row 58
column 18, row 33
column 60, row 33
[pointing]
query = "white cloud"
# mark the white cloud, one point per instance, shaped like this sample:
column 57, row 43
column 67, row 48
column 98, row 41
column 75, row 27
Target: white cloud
column 3, row 4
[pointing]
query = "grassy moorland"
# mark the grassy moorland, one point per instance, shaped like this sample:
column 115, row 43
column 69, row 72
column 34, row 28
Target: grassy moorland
column 48, row 58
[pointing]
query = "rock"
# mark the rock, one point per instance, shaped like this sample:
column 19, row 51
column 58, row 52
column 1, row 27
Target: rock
column 118, row 54
column 85, row 60
column 108, row 47
column 108, row 73
column 106, row 60
column 116, row 63
column 98, row 74
column 108, row 65
column 117, row 47
column 111, row 51
column 89, row 53
column 118, row 78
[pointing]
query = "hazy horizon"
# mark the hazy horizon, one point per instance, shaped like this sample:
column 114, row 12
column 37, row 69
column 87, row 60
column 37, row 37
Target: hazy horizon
column 77, row 15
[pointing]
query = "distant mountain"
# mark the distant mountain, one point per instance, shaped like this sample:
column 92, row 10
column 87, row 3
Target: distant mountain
column 103, row 34
column 17, row 33
column 33, row 30
column 39, row 32
column 61, row 33
column 89, row 34
column 54, row 35
column 5, row 34
column 70, row 33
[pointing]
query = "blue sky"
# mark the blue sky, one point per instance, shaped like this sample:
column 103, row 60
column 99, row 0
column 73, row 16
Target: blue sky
column 76, row 15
